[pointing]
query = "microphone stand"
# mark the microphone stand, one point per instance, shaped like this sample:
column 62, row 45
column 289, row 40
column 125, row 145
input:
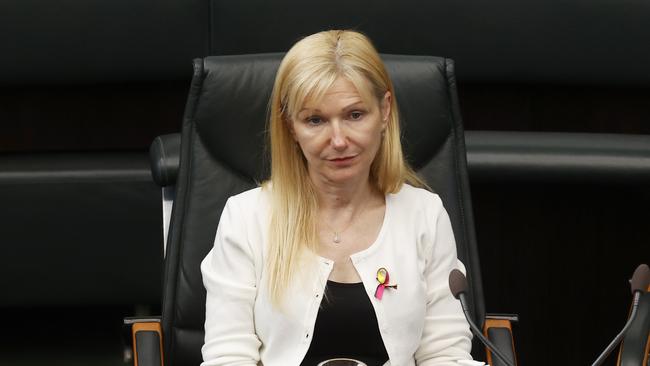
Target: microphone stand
column 619, row 337
column 479, row 334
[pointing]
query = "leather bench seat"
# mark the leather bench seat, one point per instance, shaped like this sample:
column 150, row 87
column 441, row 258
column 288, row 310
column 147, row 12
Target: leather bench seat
column 79, row 229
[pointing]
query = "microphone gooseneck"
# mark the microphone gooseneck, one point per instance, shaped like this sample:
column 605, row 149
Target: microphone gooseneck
column 458, row 287
column 639, row 285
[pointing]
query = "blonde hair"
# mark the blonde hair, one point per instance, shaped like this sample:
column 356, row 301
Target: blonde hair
column 306, row 73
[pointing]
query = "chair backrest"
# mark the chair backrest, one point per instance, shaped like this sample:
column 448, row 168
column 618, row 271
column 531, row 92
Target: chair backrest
column 222, row 154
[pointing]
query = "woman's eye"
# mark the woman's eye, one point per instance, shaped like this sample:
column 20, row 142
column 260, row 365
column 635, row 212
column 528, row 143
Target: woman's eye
column 356, row 115
column 314, row 120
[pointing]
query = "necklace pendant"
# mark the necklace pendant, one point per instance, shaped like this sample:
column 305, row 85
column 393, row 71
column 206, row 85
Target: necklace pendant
column 337, row 238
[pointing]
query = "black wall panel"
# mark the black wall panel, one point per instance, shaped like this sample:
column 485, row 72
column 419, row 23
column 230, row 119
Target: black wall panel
column 538, row 41
column 91, row 41
column 97, row 117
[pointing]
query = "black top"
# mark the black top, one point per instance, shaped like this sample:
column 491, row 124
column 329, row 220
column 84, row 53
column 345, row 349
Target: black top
column 346, row 326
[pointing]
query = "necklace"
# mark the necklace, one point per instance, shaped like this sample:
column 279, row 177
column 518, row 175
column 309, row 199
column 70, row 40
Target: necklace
column 337, row 233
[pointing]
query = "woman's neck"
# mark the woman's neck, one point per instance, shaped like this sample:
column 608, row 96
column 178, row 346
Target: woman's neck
column 333, row 196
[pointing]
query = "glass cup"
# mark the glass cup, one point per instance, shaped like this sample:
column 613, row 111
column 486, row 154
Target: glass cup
column 341, row 362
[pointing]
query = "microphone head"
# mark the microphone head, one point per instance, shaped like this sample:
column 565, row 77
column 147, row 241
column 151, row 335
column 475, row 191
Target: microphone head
column 457, row 283
column 640, row 279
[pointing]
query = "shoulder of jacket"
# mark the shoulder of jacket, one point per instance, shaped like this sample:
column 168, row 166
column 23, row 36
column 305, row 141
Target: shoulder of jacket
column 247, row 198
column 414, row 197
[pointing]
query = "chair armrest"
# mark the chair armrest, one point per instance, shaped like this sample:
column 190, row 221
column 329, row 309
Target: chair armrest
column 635, row 349
column 164, row 156
column 145, row 337
column 498, row 329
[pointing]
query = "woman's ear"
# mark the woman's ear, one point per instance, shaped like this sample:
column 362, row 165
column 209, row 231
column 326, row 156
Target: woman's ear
column 385, row 107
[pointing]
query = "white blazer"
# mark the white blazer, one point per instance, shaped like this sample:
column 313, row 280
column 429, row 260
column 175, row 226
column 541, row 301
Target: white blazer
column 420, row 322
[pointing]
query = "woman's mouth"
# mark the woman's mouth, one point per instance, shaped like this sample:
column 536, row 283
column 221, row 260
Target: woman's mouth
column 342, row 160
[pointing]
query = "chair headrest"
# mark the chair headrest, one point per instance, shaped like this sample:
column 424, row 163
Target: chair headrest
column 233, row 106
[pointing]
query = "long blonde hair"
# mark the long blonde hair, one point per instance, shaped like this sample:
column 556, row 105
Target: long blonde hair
column 307, row 71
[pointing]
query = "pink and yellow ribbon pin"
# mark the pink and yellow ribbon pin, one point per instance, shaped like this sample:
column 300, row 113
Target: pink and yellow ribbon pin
column 383, row 278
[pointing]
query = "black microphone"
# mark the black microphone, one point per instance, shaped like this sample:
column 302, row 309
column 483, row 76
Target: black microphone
column 639, row 285
column 458, row 286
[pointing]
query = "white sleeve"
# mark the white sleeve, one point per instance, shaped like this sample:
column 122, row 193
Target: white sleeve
column 446, row 337
column 229, row 278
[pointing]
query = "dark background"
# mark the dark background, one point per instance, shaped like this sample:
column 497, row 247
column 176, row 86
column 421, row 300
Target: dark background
column 85, row 86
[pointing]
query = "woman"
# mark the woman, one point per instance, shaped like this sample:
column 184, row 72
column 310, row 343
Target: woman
column 338, row 254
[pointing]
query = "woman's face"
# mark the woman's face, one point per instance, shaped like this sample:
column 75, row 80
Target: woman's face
column 340, row 135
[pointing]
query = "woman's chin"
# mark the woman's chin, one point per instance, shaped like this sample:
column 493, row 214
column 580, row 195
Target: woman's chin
column 346, row 176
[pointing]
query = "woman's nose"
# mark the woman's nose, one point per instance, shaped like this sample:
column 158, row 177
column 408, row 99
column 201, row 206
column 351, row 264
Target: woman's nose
column 338, row 140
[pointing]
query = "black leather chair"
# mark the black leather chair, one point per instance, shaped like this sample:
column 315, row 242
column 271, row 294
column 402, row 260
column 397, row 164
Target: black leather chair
column 222, row 153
